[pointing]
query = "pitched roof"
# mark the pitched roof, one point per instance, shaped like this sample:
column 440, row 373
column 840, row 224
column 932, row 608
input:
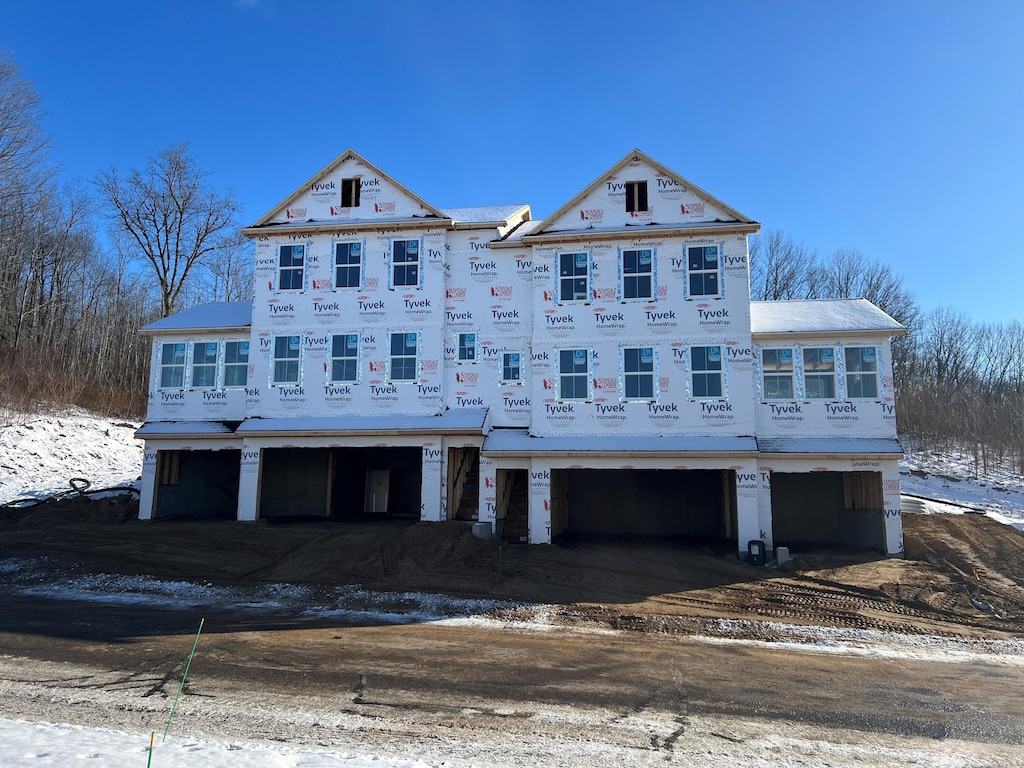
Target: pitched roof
column 812, row 316
column 219, row 316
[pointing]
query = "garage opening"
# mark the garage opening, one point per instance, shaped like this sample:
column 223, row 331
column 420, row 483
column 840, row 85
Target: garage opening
column 341, row 483
column 694, row 504
column 197, row 485
column 828, row 508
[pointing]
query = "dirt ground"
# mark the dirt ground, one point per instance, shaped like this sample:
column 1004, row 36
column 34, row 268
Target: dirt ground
column 629, row 671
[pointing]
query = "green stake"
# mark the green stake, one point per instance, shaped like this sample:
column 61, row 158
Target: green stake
column 152, row 738
column 180, row 687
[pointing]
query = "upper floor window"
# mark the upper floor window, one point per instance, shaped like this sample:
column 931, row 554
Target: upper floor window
column 819, row 373
column 511, row 368
column 777, row 373
column 405, row 264
column 287, row 360
column 638, row 274
column 861, row 372
column 236, row 363
column 345, row 357
column 638, row 373
column 204, row 364
column 404, row 356
column 348, row 265
column 291, row 263
column 573, row 276
column 172, row 365
column 702, row 266
column 574, row 374
column 350, row 193
column 706, row 371
column 636, row 196
column 467, row 352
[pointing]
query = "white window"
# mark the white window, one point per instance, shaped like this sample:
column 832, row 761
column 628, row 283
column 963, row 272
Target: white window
column 638, row 373
column 574, row 374
column 702, row 266
column 172, row 365
column 861, row 373
column 467, row 352
column 404, row 356
column 291, row 264
column 573, row 276
column 204, row 364
column 350, row 193
column 819, row 373
column 511, row 368
column 638, row 274
column 777, row 374
column 345, row 358
column 348, row 265
column 636, row 196
column 236, row 363
column 287, row 363
column 405, row 264
column 706, row 372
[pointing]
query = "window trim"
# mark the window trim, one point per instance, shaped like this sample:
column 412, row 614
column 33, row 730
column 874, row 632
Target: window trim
column 625, row 375
column 224, row 364
column 291, row 268
column 575, row 374
column 717, row 271
column 518, row 382
column 162, row 365
column 778, row 373
column 274, row 359
column 705, row 371
column 393, row 284
column 417, row 357
column 357, row 357
column 586, row 276
column 623, row 277
column 358, row 267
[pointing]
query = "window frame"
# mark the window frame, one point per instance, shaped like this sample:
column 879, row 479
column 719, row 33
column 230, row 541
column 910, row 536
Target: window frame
column 704, row 272
column 575, row 374
column 405, row 265
column 625, row 353
column 467, row 350
column 814, row 374
column 276, row 359
column 235, row 364
column 637, row 200
column 358, row 266
column 507, row 366
column 350, row 188
column 778, row 373
column 575, row 276
column 206, row 365
column 165, row 366
column 625, row 278
column 292, row 269
column 392, row 357
column 861, row 373
column 332, row 377
column 707, row 372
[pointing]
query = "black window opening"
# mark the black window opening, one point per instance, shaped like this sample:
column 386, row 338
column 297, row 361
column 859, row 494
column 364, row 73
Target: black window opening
column 636, row 196
column 350, row 193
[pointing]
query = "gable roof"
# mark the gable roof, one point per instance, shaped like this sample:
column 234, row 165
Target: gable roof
column 635, row 155
column 820, row 316
column 216, row 316
column 346, row 155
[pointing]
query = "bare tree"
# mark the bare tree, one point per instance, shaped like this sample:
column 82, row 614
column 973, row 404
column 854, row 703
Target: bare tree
column 780, row 268
column 23, row 145
column 172, row 216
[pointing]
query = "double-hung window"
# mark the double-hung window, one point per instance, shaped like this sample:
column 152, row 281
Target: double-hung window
column 404, row 356
column 819, row 373
column 861, row 372
column 638, row 373
column 204, row 364
column 467, row 352
column 405, row 264
column 291, row 264
column 573, row 276
column 574, row 374
column 350, row 193
column 172, row 365
column 345, row 358
column 348, row 264
column 702, row 266
column 777, row 373
column 287, row 359
column 236, row 363
column 636, row 196
column 706, row 371
column 511, row 368
column 638, row 274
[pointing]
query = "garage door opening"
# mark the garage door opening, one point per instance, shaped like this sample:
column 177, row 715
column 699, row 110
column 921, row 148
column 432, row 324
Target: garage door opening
column 341, row 483
column 828, row 509
column 694, row 504
column 197, row 485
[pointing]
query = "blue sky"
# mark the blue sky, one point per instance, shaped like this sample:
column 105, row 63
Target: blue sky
column 896, row 128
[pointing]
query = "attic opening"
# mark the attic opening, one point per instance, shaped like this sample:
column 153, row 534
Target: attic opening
column 198, row 485
column 695, row 504
column 350, row 193
column 636, row 196
column 828, row 508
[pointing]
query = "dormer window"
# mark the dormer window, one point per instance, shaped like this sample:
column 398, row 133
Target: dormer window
column 636, row 196
column 350, row 193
